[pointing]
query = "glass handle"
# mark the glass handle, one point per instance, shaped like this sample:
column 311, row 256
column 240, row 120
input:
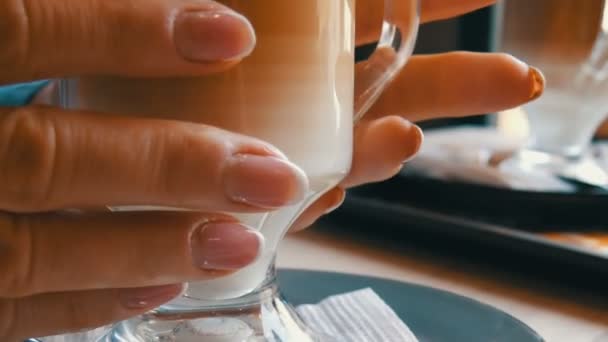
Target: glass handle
column 396, row 43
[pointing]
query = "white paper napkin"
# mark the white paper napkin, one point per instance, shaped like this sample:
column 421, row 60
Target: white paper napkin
column 359, row 316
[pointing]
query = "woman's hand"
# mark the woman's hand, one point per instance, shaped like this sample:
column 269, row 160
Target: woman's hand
column 444, row 85
column 602, row 132
column 64, row 270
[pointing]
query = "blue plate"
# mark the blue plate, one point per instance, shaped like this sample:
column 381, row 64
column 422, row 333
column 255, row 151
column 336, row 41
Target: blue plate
column 433, row 315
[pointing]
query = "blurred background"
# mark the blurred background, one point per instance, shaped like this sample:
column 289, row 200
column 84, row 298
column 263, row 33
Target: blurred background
column 477, row 31
column 537, row 234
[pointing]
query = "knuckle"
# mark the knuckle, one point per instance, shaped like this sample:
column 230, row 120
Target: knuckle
column 27, row 153
column 16, row 257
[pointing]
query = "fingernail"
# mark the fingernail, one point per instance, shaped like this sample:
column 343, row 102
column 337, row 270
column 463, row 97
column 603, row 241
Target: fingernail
column 339, row 195
column 416, row 135
column 149, row 297
column 204, row 36
column 225, row 246
column 264, row 181
column 538, row 83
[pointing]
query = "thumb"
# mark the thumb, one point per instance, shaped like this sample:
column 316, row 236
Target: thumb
column 46, row 39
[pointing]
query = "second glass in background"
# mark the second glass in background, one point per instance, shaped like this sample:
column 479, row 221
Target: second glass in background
column 567, row 40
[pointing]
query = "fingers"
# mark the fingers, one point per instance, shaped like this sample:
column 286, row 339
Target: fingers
column 370, row 13
column 431, row 10
column 65, row 252
column 54, row 159
column 602, row 132
column 46, row 39
column 51, row 314
column 381, row 148
column 398, row 141
column 329, row 202
column 459, row 84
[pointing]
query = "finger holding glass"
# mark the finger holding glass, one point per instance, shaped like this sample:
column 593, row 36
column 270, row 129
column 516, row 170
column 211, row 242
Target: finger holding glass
column 296, row 91
column 58, row 260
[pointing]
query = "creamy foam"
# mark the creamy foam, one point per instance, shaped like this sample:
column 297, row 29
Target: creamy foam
column 295, row 91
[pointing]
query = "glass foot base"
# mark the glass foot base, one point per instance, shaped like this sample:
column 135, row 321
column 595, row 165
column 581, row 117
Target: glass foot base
column 259, row 317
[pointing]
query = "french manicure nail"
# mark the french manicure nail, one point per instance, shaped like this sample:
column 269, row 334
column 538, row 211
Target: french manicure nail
column 149, row 297
column 538, row 83
column 225, row 246
column 264, row 181
column 206, row 36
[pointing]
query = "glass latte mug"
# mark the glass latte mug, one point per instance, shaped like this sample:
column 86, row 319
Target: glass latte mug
column 297, row 91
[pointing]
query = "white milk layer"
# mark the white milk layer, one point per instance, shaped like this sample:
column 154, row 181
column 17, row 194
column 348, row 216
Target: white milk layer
column 295, row 91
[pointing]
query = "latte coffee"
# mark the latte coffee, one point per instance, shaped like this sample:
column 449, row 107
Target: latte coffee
column 294, row 91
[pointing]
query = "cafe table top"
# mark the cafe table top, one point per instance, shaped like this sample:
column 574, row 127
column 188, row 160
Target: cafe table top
column 557, row 313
